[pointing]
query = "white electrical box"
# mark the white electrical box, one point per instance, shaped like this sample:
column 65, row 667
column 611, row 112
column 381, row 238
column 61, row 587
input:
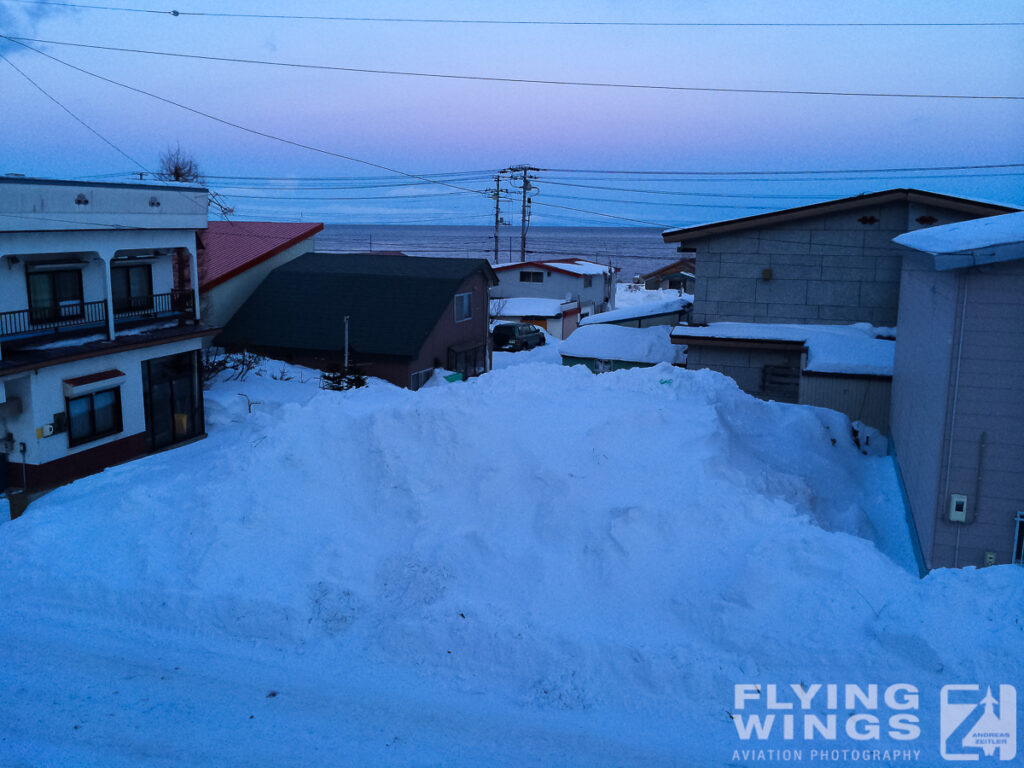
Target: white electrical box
column 958, row 508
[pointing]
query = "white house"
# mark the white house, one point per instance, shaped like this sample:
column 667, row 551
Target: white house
column 98, row 350
column 590, row 284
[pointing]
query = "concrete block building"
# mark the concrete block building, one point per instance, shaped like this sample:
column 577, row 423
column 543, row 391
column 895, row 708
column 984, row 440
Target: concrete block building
column 831, row 263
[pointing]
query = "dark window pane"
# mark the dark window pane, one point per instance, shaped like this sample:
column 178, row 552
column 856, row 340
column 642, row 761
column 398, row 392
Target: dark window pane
column 105, row 409
column 79, row 418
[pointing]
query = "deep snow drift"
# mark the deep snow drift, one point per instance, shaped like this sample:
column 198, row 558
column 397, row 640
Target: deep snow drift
column 538, row 567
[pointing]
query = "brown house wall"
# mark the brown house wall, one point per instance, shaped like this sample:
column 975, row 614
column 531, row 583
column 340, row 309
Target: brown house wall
column 448, row 333
column 64, row 470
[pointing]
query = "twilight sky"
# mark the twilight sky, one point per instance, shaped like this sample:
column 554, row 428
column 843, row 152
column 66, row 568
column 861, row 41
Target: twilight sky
column 439, row 126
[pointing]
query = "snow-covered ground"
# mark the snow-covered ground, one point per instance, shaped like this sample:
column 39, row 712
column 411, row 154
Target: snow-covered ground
column 538, row 567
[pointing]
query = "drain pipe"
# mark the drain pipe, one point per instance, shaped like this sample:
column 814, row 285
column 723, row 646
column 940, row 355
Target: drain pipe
column 952, row 416
column 24, row 472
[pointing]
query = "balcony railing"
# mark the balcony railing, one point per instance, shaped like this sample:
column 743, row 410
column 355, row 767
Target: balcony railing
column 74, row 316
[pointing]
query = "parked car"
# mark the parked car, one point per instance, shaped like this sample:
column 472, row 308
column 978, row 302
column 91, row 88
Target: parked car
column 512, row 337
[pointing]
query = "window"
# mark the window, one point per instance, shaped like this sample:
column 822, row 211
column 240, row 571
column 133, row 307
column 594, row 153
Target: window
column 132, row 287
column 463, row 306
column 526, row 276
column 588, row 282
column 93, row 416
column 420, row 378
column 54, row 295
column 1018, row 540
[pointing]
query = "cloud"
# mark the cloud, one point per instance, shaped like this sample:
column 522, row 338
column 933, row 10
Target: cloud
column 23, row 20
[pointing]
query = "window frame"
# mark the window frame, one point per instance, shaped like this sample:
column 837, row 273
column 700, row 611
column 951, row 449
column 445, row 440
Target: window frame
column 531, row 276
column 467, row 299
column 131, row 302
column 93, row 435
column 588, row 281
column 56, row 312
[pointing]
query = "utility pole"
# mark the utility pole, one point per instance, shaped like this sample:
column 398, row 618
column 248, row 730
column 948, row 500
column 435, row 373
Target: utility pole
column 524, row 222
column 497, row 211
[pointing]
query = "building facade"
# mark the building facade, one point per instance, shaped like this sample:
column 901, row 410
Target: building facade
column 958, row 391
column 589, row 283
column 98, row 349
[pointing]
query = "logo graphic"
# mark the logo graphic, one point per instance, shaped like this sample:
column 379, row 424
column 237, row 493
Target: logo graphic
column 973, row 725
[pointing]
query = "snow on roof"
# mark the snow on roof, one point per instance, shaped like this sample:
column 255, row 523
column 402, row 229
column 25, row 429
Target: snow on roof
column 646, row 309
column 957, row 245
column 580, row 267
column 615, row 342
column 858, row 349
column 526, row 307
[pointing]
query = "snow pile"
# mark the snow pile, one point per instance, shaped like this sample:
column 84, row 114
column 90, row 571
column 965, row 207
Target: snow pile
column 646, row 309
column 526, row 307
column 616, row 342
column 536, row 567
column 633, row 294
column 857, row 349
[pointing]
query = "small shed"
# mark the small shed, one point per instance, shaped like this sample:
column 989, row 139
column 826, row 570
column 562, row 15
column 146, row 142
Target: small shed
column 605, row 347
column 847, row 368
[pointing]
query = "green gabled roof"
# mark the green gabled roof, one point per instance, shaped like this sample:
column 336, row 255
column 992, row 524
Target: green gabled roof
column 393, row 303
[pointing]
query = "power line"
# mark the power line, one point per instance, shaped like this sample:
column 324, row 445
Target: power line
column 495, row 79
column 79, row 120
column 528, row 22
column 789, row 173
column 300, row 145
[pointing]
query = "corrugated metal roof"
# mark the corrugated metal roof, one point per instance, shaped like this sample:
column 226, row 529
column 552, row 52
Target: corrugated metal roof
column 231, row 247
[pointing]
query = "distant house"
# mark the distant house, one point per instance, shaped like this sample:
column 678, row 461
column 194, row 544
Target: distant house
column 678, row 276
column 397, row 317
column 607, row 347
column 556, row 316
column 234, row 257
column 100, row 351
column 958, row 390
column 830, row 263
column 644, row 315
column 590, row 284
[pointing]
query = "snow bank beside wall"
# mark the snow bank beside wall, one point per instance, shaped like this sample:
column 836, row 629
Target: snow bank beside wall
column 620, row 549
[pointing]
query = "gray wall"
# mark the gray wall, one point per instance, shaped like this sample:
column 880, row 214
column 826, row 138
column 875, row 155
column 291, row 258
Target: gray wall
column 862, row 398
column 946, row 396
column 744, row 365
column 828, row 269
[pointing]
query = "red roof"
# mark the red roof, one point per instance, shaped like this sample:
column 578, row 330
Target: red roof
column 231, row 247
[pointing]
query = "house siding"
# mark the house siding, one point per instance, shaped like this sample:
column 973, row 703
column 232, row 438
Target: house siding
column 984, row 436
column 961, row 405
column 449, row 333
column 745, row 365
column 831, row 268
column 861, row 398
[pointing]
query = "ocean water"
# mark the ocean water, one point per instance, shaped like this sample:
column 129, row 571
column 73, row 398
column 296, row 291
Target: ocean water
column 634, row 250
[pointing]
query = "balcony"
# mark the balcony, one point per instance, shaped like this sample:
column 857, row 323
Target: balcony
column 42, row 322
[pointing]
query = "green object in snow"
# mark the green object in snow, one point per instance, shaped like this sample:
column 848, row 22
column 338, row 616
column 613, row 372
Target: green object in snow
column 665, row 381
column 453, row 377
